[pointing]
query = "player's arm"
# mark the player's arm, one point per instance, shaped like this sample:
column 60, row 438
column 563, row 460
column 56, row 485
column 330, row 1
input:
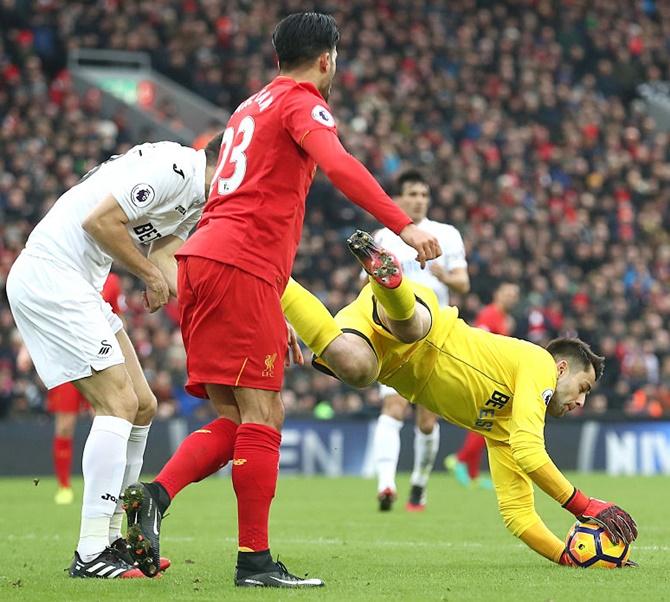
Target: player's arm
column 457, row 279
column 162, row 251
column 452, row 268
column 528, row 450
column 358, row 185
column 514, row 491
column 106, row 224
column 162, row 255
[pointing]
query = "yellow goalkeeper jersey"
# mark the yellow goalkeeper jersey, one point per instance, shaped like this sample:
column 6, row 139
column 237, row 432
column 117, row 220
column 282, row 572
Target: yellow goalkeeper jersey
column 496, row 385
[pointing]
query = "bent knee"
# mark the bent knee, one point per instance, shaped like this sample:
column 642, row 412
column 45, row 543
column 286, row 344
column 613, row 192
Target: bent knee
column 121, row 403
column 425, row 420
column 266, row 409
column 65, row 424
column 353, row 361
column 147, row 406
column 409, row 334
column 357, row 374
column 115, row 397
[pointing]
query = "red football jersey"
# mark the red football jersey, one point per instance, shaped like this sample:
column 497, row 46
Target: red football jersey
column 493, row 319
column 112, row 293
column 254, row 214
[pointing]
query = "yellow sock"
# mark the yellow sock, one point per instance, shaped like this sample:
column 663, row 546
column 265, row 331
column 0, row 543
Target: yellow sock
column 398, row 302
column 543, row 541
column 310, row 318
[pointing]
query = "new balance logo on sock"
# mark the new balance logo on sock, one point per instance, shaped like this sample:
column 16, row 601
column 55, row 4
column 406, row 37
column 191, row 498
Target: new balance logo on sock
column 105, row 347
column 108, row 497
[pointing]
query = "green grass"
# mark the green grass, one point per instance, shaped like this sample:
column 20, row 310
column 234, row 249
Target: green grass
column 457, row 550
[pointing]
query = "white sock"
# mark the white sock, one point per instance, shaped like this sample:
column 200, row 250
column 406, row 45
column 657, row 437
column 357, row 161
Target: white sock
column 137, row 442
column 386, row 450
column 425, row 452
column 103, row 463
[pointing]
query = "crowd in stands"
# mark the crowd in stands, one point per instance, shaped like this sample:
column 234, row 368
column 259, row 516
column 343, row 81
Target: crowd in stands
column 522, row 114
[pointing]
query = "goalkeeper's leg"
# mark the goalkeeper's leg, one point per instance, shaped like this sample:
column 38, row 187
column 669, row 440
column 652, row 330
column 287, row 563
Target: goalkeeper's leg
column 347, row 355
column 397, row 307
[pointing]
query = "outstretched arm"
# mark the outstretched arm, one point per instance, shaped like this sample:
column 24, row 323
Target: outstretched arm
column 528, row 449
column 514, row 491
column 357, row 184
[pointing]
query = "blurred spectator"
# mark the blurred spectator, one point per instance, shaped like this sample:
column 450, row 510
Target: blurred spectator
column 201, row 140
column 523, row 113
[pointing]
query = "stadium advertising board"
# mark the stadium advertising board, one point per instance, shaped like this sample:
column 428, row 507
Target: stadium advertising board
column 343, row 447
column 625, row 448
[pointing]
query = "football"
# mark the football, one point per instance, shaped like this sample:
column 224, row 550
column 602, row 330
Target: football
column 589, row 546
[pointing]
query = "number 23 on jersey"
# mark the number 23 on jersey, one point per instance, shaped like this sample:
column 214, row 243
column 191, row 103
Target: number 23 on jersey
column 233, row 155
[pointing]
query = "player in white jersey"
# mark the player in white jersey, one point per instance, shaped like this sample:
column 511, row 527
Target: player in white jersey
column 152, row 195
column 448, row 272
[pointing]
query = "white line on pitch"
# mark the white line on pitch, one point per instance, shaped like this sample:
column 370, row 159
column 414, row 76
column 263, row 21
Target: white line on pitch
column 323, row 541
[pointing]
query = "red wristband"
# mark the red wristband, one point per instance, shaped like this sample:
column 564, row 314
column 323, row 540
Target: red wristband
column 577, row 503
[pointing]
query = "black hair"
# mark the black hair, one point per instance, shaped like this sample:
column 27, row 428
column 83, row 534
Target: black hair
column 409, row 176
column 301, row 37
column 572, row 348
column 212, row 149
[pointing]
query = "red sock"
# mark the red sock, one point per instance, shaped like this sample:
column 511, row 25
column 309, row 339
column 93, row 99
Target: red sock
column 471, row 452
column 201, row 454
column 255, row 470
column 62, row 453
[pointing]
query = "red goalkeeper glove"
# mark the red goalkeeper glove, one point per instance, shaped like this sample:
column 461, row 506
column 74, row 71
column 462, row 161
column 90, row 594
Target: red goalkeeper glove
column 619, row 525
column 565, row 559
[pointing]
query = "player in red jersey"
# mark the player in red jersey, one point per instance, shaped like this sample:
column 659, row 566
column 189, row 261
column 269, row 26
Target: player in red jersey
column 494, row 317
column 113, row 294
column 233, row 271
column 65, row 402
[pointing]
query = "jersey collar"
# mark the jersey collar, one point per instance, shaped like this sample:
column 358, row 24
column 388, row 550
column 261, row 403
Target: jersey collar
column 308, row 85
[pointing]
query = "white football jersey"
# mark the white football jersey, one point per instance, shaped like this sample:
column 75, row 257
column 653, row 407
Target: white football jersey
column 160, row 187
column 453, row 255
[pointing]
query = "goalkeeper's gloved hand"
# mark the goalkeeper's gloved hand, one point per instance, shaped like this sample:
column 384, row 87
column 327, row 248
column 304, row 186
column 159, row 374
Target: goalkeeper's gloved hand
column 565, row 559
column 619, row 525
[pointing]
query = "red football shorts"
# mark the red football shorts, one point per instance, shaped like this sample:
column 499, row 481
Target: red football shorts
column 233, row 327
column 66, row 398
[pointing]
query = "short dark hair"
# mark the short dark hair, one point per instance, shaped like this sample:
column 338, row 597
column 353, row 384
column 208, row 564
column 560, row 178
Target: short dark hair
column 301, row 37
column 212, row 149
column 409, row 176
column 572, row 348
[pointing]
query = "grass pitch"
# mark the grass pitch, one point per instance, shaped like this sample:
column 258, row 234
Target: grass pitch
column 457, row 550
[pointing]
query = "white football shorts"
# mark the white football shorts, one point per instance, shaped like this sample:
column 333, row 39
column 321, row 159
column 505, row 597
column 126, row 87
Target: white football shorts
column 66, row 325
column 385, row 391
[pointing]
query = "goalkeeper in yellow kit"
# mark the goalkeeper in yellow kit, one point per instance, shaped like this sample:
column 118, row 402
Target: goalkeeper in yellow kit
column 501, row 387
